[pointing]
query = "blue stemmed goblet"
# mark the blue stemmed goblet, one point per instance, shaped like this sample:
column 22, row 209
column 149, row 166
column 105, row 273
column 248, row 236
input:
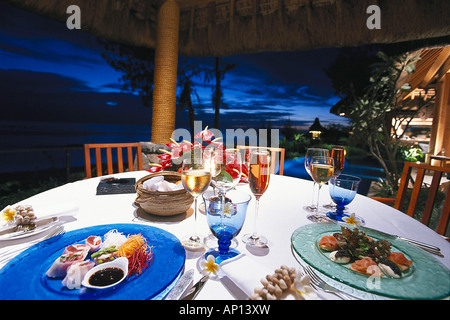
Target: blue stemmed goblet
column 225, row 219
column 342, row 191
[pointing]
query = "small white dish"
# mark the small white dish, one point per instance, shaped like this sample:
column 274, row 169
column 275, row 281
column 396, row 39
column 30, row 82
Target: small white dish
column 119, row 263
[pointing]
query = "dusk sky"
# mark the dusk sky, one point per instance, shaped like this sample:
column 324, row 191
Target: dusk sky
column 50, row 73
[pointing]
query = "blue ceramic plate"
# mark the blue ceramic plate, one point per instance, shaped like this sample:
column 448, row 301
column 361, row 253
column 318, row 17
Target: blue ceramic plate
column 24, row 276
column 428, row 278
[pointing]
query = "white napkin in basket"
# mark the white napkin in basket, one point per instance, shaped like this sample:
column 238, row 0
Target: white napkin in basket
column 159, row 184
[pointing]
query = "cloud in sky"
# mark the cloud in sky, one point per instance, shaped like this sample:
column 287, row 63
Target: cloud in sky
column 60, row 67
column 267, row 93
column 52, row 97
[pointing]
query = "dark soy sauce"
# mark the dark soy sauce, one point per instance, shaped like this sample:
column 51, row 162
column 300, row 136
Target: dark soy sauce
column 106, row 277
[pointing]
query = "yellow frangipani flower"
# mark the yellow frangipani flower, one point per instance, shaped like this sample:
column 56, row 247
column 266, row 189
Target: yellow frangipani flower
column 209, row 265
column 8, row 214
column 352, row 220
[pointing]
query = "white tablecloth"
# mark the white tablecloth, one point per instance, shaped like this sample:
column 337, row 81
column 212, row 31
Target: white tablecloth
column 280, row 214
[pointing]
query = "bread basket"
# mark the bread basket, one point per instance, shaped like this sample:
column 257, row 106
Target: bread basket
column 163, row 203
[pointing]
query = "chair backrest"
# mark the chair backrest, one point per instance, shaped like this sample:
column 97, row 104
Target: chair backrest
column 109, row 159
column 405, row 181
column 273, row 155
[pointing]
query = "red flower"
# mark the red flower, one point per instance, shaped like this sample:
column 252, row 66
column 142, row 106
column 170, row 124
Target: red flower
column 233, row 169
column 178, row 149
column 164, row 156
column 217, row 143
column 155, row 168
column 205, row 135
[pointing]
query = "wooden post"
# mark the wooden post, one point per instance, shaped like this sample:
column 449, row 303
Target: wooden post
column 440, row 137
column 165, row 82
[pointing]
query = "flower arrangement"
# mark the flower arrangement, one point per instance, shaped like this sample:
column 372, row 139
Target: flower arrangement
column 181, row 150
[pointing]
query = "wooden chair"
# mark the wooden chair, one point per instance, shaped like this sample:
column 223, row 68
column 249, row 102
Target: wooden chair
column 273, row 155
column 109, row 162
column 405, row 180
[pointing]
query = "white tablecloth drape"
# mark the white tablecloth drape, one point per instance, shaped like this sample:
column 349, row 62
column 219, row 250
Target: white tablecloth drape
column 280, row 214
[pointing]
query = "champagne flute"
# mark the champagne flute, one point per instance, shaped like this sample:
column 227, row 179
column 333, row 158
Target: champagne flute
column 195, row 177
column 311, row 153
column 322, row 169
column 338, row 155
column 258, row 177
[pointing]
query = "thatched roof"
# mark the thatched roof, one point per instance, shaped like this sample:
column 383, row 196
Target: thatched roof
column 316, row 126
column 433, row 64
column 226, row 27
column 431, row 67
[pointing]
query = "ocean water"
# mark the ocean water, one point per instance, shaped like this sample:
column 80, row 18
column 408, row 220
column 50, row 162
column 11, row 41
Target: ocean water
column 22, row 135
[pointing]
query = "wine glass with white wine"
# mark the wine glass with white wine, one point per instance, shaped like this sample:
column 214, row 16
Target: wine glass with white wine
column 322, row 169
column 311, row 153
column 195, row 177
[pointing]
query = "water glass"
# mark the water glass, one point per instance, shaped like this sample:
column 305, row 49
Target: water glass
column 342, row 191
column 230, row 170
column 225, row 220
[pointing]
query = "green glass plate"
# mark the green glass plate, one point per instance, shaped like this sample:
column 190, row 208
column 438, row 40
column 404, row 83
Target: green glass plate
column 428, row 278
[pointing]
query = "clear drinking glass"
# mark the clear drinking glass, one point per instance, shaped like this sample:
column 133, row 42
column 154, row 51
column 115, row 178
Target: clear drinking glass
column 212, row 161
column 322, row 169
column 311, row 153
column 228, row 177
column 258, row 177
column 195, row 177
column 225, row 221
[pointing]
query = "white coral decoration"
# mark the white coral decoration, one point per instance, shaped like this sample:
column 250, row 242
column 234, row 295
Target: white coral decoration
column 302, row 288
column 285, row 281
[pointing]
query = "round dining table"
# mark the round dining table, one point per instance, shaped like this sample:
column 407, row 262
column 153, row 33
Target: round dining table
column 281, row 212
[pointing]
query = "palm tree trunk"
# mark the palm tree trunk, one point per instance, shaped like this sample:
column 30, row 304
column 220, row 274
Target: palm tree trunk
column 217, row 93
